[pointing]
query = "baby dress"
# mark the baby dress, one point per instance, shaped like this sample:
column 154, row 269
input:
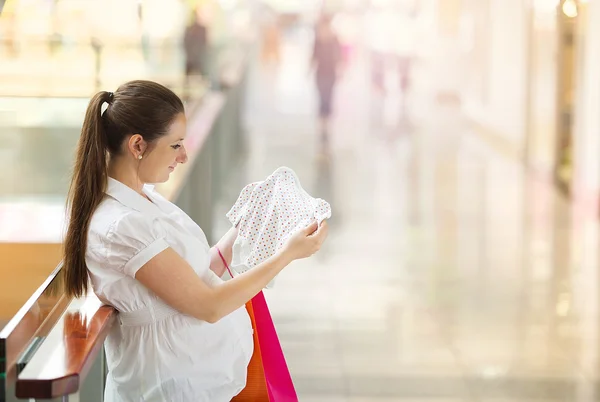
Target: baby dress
column 267, row 213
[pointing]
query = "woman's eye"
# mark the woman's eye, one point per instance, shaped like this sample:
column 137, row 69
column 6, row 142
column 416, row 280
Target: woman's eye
column 176, row 146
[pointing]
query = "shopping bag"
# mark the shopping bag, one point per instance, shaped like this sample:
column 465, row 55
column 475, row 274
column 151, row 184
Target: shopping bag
column 256, row 385
column 269, row 378
column 277, row 375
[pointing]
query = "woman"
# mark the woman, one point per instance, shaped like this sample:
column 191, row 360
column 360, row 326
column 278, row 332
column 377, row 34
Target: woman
column 326, row 59
column 183, row 334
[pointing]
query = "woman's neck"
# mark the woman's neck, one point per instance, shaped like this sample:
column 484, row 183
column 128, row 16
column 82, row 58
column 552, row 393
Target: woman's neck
column 127, row 175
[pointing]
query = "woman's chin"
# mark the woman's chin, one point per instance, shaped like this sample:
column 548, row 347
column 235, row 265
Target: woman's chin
column 161, row 179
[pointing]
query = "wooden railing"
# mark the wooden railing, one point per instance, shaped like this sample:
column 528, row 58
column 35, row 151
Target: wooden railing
column 64, row 359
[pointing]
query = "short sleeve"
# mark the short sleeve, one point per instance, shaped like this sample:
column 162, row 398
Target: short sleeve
column 132, row 241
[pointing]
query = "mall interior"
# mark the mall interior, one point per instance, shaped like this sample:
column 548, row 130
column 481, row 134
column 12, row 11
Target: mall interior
column 461, row 161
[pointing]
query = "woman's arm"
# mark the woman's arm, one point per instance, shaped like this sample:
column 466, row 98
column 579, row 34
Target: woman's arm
column 173, row 280
column 225, row 245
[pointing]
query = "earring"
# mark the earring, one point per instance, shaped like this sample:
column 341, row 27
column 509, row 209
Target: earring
column 140, row 157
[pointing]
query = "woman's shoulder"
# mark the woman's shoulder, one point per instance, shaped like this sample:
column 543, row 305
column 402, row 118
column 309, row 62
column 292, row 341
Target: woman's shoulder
column 111, row 215
column 118, row 234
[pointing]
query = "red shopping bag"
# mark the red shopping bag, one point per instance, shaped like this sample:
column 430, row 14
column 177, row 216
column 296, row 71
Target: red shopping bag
column 269, row 378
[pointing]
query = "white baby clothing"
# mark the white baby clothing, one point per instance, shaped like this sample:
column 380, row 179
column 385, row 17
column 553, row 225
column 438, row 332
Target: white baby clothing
column 155, row 353
column 267, row 213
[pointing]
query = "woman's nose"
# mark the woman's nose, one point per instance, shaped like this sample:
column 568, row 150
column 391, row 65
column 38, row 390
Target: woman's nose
column 182, row 157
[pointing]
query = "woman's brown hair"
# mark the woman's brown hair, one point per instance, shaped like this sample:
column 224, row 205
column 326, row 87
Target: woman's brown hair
column 137, row 107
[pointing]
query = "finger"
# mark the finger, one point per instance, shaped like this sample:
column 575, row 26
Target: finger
column 322, row 232
column 310, row 229
column 323, row 227
column 315, row 235
column 323, row 236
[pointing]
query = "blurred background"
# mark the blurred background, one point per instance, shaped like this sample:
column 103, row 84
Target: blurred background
column 458, row 142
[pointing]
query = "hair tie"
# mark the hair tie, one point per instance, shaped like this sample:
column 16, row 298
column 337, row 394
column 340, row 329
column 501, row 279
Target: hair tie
column 110, row 97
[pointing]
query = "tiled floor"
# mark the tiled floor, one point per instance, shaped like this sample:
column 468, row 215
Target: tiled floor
column 448, row 276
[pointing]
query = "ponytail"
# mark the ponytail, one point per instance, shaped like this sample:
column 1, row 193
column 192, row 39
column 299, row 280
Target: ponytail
column 141, row 107
column 90, row 175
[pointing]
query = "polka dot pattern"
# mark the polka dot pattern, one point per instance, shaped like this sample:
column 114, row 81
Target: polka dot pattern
column 267, row 213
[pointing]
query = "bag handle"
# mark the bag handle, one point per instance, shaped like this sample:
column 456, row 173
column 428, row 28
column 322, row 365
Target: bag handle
column 224, row 262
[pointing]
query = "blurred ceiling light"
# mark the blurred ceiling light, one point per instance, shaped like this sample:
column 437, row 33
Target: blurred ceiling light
column 228, row 4
column 545, row 5
column 564, row 305
column 380, row 3
column 492, row 372
column 292, row 6
column 569, row 8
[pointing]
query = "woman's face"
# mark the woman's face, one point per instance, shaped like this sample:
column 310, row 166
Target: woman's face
column 168, row 152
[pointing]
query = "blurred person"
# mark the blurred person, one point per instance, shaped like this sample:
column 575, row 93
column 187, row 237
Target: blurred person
column 183, row 333
column 144, row 39
column 404, row 49
column 391, row 36
column 55, row 38
column 97, row 46
column 379, row 38
column 271, row 42
column 347, row 28
column 195, row 42
column 326, row 60
column 8, row 34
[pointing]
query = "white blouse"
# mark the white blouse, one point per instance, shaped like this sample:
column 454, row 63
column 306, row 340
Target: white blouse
column 157, row 353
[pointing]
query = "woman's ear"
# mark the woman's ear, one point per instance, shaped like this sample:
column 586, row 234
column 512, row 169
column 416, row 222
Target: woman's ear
column 137, row 145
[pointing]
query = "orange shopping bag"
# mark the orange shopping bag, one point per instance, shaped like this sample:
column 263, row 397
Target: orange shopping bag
column 268, row 377
column 256, row 385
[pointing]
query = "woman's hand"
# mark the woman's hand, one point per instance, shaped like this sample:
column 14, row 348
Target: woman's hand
column 305, row 242
column 225, row 245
